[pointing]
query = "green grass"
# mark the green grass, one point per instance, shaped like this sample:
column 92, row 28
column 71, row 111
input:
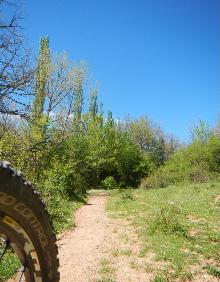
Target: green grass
column 9, row 264
column 63, row 217
column 106, row 270
column 177, row 223
column 213, row 270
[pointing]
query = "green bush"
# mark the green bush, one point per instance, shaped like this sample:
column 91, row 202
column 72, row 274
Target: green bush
column 109, row 183
column 199, row 162
column 199, row 174
column 162, row 178
column 63, row 178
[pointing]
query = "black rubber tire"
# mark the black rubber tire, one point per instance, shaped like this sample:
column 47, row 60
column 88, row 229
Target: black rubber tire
column 21, row 204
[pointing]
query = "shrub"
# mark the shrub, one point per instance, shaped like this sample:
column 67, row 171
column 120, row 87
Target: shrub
column 154, row 181
column 199, row 174
column 109, row 183
column 64, row 179
column 162, row 178
column 199, row 162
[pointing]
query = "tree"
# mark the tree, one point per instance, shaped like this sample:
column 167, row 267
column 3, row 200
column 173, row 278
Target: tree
column 16, row 74
column 141, row 133
column 201, row 132
column 93, row 105
column 110, row 120
column 62, row 87
column 171, row 146
column 160, row 152
column 38, row 121
column 78, row 98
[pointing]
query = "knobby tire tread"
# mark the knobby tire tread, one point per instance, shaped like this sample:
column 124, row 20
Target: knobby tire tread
column 13, row 183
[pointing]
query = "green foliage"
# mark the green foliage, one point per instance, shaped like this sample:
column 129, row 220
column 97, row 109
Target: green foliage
column 65, row 180
column 201, row 132
column 199, row 162
column 9, row 264
column 109, row 183
column 78, row 98
column 112, row 153
column 15, row 148
column 39, row 121
column 213, row 270
column 151, row 140
column 93, row 105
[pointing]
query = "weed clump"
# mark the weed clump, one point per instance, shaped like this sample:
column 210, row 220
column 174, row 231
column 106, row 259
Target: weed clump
column 170, row 220
column 127, row 196
column 212, row 270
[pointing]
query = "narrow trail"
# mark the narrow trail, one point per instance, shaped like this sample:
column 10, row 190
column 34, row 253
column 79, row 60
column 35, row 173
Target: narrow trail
column 100, row 248
column 79, row 249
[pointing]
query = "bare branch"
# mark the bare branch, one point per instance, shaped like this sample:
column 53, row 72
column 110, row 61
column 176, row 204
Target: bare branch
column 16, row 74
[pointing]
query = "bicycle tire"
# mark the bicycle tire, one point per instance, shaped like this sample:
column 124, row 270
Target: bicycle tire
column 25, row 223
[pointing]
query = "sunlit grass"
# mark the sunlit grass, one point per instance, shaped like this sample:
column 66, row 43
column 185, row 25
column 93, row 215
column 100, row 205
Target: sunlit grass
column 9, row 264
column 179, row 224
column 106, row 271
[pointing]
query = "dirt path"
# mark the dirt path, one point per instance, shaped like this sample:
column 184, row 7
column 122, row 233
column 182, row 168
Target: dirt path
column 98, row 248
column 79, row 249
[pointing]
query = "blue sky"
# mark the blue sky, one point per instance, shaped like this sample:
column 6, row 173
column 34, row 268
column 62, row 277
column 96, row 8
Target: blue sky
column 158, row 58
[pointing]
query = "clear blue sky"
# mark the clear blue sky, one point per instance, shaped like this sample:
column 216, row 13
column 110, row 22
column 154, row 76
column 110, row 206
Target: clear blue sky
column 158, row 58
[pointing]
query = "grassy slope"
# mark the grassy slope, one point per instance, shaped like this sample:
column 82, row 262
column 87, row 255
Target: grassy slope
column 179, row 224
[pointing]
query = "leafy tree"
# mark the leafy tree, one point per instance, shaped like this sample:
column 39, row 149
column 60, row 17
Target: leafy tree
column 160, row 152
column 201, row 132
column 141, row 133
column 93, row 105
column 61, row 86
column 78, row 98
column 150, row 139
column 38, row 121
column 110, row 120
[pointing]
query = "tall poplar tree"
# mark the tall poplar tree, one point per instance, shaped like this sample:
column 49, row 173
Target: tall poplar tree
column 93, row 105
column 38, row 122
column 78, row 100
column 110, row 120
